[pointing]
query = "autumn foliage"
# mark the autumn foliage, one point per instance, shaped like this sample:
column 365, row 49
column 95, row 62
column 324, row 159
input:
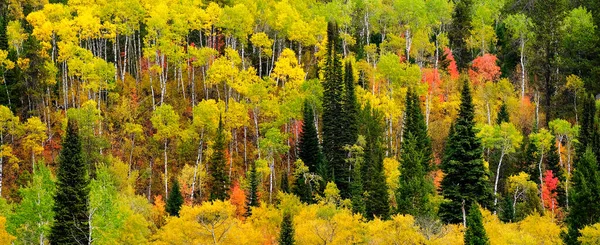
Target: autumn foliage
column 484, row 68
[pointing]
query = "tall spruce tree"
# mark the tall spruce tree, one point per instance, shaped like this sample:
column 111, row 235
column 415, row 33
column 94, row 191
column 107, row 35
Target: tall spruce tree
column 350, row 109
column 219, row 179
column 475, row 233
column 72, row 193
column 415, row 185
column 175, row 200
column 308, row 144
column 286, row 235
column 460, row 31
column 466, row 178
column 584, row 198
column 333, row 127
column 252, row 196
column 372, row 172
column 588, row 133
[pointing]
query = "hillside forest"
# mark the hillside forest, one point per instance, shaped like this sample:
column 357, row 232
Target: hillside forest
column 299, row 122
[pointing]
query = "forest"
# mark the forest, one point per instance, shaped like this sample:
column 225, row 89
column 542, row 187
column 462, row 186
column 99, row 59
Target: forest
column 299, row 122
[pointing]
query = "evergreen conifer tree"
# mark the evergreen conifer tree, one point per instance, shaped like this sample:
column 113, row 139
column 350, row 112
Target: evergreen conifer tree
column 3, row 25
column 585, row 195
column 309, row 150
column 372, row 172
column 475, row 233
column 175, row 200
column 588, row 133
column 286, row 235
column 350, row 108
column 415, row 186
column 252, row 197
column 466, row 178
column 72, row 193
column 333, row 127
column 219, row 179
column 460, row 31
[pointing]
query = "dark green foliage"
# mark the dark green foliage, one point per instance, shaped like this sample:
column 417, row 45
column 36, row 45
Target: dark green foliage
column 72, row 193
column 475, row 233
column 285, row 185
column 531, row 159
column 308, row 144
column 175, row 200
column 3, row 37
column 415, row 185
column 547, row 17
column 415, row 126
column 59, row 1
column 252, row 196
column 309, row 151
column 460, row 31
column 357, row 191
column 373, row 177
column 286, row 236
column 350, row 109
column 588, row 133
column 502, row 115
column 507, row 212
column 219, row 179
column 585, row 195
column 303, row 189
column 466, row 178
column 333, row 127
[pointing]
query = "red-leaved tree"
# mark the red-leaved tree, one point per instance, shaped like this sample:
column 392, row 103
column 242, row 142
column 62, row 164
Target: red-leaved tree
column 549, row 191
column 484, row 68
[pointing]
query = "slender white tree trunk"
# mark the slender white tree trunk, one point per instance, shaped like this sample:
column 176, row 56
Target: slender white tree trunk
column 497, row 177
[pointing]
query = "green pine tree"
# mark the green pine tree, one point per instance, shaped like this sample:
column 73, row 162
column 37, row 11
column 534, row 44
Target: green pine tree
column 175, row 200
column 585, row 195
column 72, row 193
column 372, row 172
column 252, row 196
column 286, row 235
column 588, row 133
column 531, row 160
column 219, row 179
column 466, row 178
column 415, row 186
column 507, row 212
column 308, row 144
column 502, row 115
column 3, row 37
column 333, row 127
column 460, row 31
column 475, row 233
column 416, row 126
column 350, row 108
